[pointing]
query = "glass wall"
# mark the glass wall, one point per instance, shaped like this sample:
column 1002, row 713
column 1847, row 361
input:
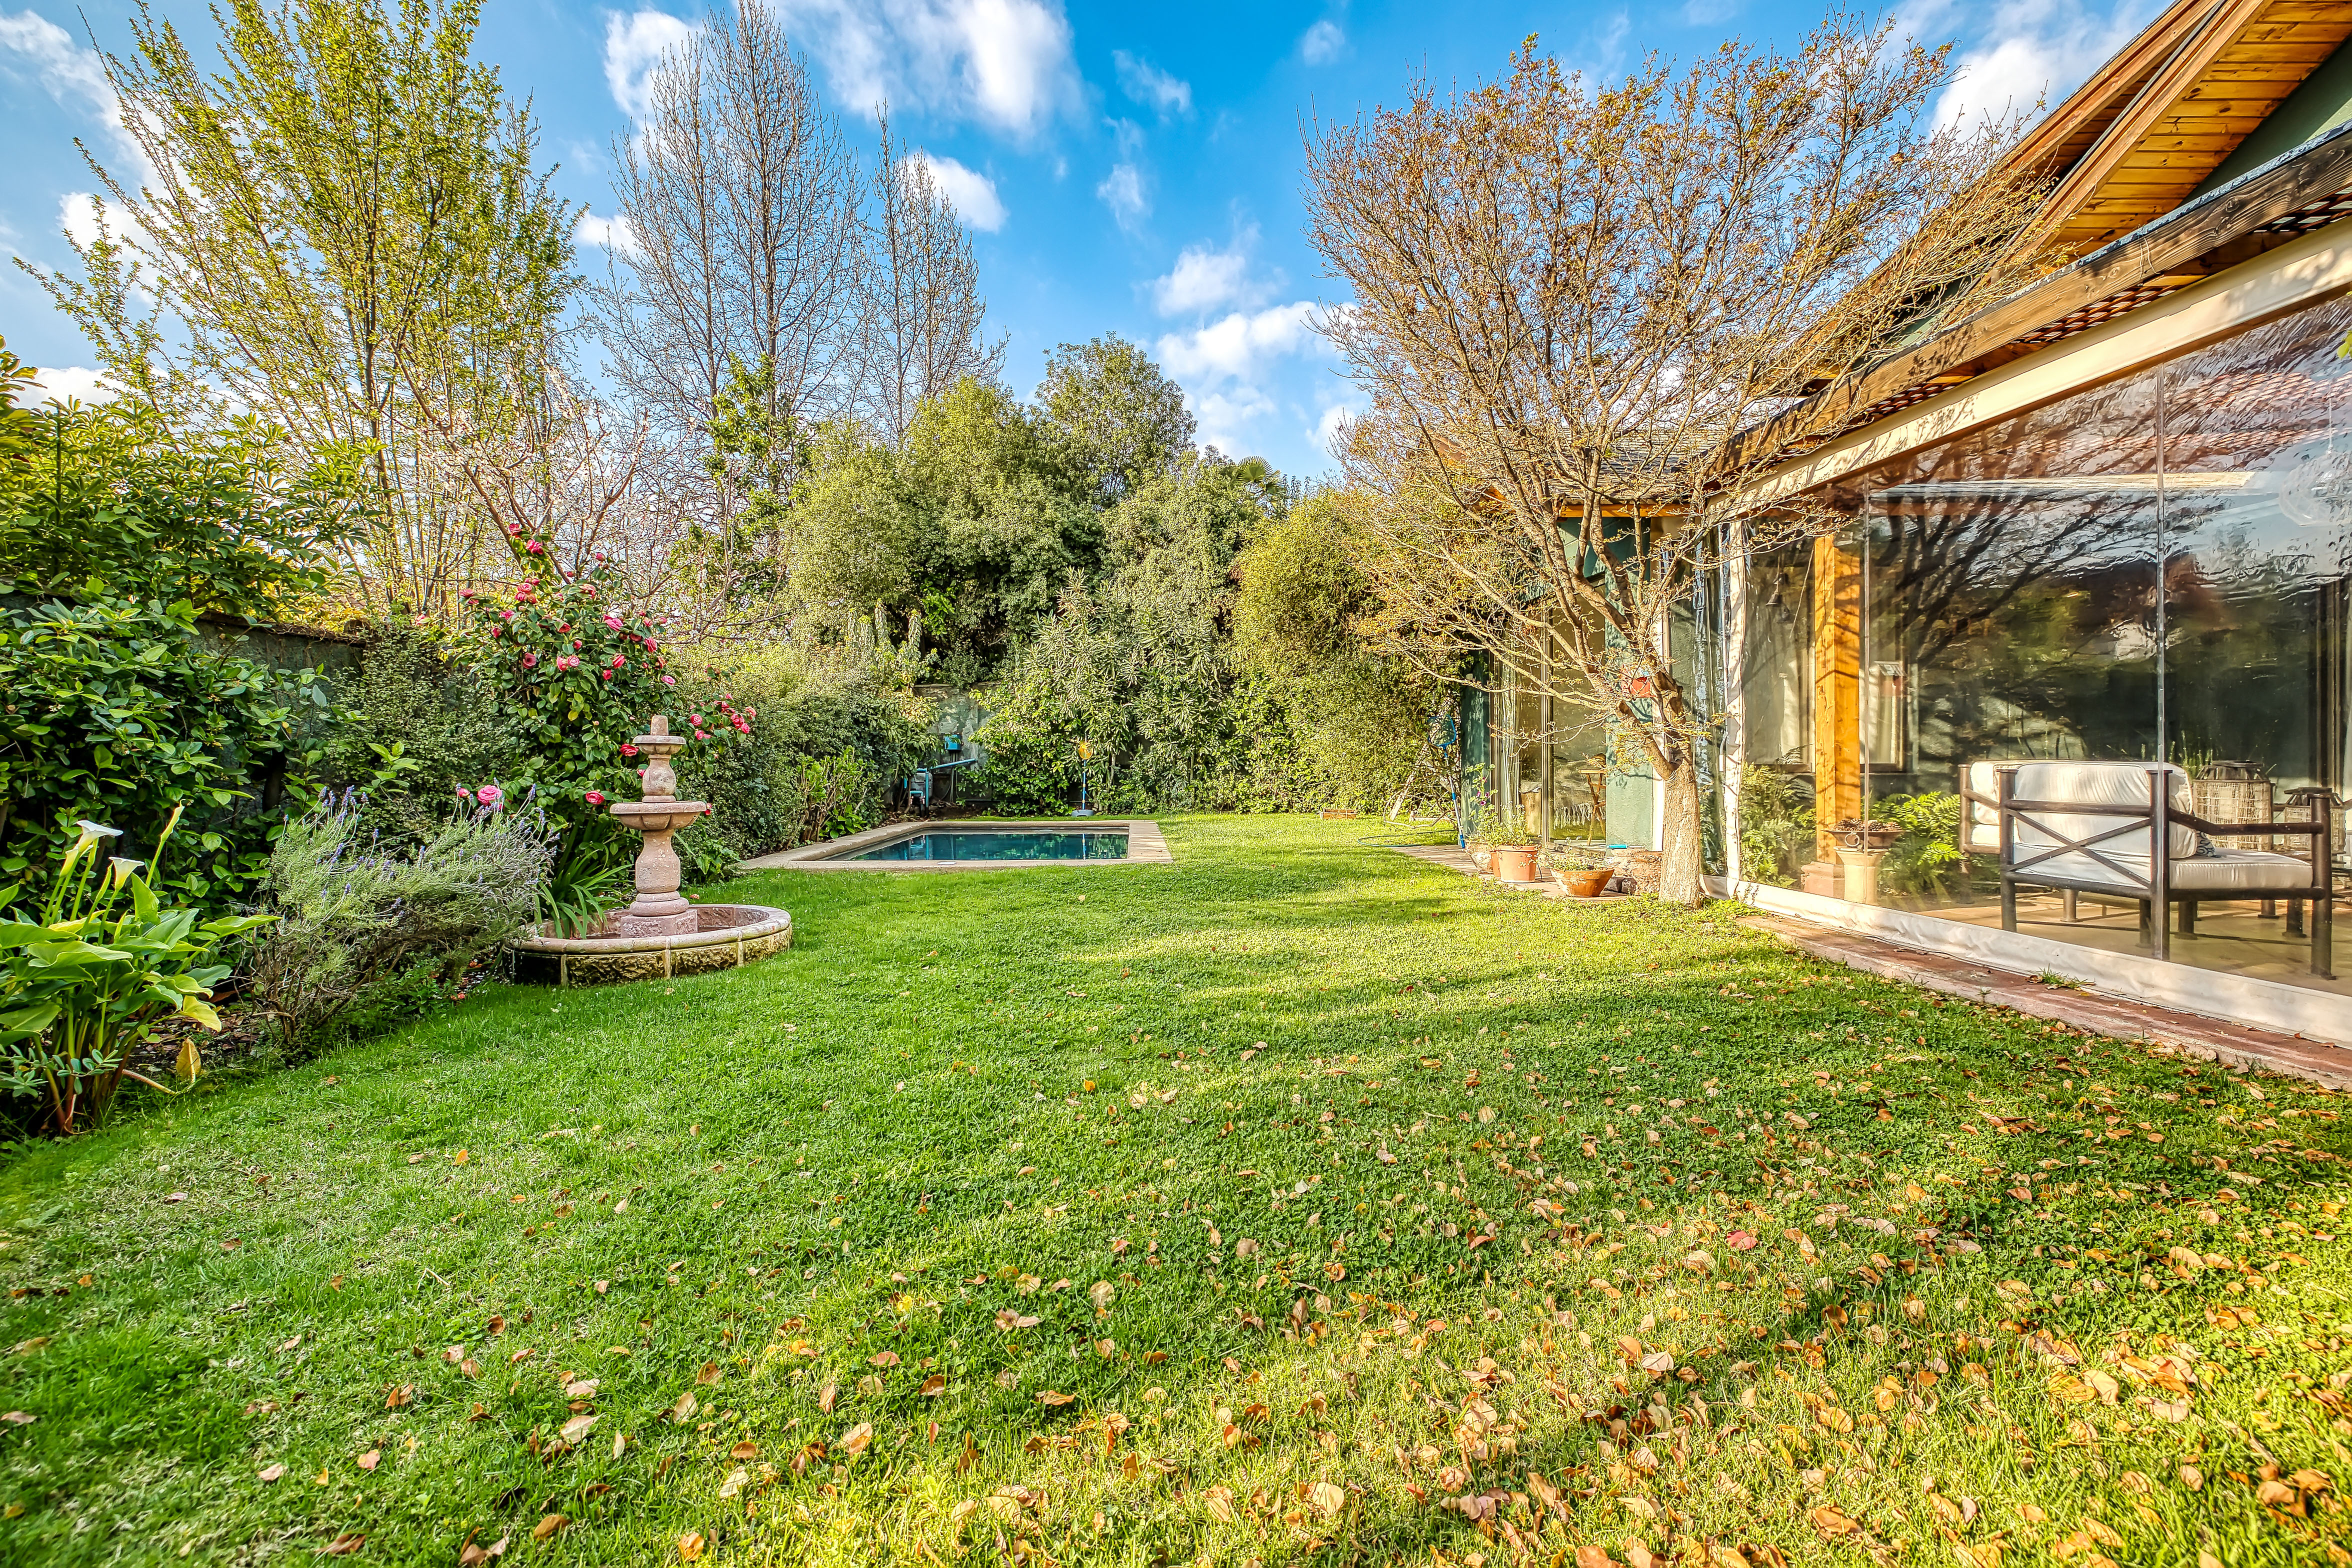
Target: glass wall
column 2153, row 568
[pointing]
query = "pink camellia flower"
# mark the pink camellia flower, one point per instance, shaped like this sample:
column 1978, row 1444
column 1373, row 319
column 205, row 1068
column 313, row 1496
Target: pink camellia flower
column 605, row 673
column 600, row 555
column 589, row 589
column 595, row 797
column 566, row 628
column 496, row 631
column 627, row 750
column 618, row 660
column 490, row 794
column 700, row 736
column 536, row 548
column 565, row 661
column 613, row 620
column 695, row 720
column 530, row 661
column 513, row 529
column 669, row 681
column 506, row 615
column 576, row 645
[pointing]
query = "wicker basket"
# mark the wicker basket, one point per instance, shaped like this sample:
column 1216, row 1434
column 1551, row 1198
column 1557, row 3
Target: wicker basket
column 2232, row 792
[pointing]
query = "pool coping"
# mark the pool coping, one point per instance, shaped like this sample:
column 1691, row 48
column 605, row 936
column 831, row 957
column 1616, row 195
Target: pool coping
column 1146, row 846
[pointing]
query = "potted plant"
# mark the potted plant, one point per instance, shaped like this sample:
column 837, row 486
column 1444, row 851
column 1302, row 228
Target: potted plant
column 1514, row 849
column 1582, row 869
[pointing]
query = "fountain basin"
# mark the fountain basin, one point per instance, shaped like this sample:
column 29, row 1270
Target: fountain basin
column 726, row 936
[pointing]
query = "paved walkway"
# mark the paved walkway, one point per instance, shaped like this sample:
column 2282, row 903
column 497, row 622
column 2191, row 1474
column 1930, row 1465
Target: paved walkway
column 2185, row 1034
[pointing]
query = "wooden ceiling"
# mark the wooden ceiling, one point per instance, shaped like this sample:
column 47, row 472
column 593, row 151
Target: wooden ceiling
column 2160, row 117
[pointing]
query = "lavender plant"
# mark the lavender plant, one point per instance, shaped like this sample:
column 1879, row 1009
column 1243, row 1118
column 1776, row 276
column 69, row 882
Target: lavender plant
column 357, row 918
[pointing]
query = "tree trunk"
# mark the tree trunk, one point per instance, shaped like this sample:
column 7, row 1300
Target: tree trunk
column 1683, row 863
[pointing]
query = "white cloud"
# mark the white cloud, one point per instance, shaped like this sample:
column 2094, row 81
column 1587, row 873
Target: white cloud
column 2025, row 51
column 78, row 383
column 1148, row 85
column 1322, row 43
column 634, row 46
column 79, row 213
column 1706, row 12
column 1224, row 417
column 1222, row 367
column 1005, row 63
column 1206, row 278
column 970, row 192
column 1235, row 347
column 1329, row 429
column 609, row 234
column 1122, row 191
column 70, row 73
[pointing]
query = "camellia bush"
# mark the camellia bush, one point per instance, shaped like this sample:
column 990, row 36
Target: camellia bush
column 576, row 675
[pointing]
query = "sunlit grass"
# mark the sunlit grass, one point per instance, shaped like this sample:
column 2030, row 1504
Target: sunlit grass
column 1775, row 1258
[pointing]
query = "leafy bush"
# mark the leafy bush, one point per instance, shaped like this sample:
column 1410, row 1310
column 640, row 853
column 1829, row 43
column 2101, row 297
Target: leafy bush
column 116, row 710
column 86, row 978
column 115, row 537
column 573, row 677
column 357, row 920
column 1776, row 826
column 1926, row 859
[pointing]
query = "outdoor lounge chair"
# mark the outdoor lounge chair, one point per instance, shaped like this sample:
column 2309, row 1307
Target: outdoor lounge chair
column 2086, row 827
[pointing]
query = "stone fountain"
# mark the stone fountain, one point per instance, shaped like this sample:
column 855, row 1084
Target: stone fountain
column 660, row 934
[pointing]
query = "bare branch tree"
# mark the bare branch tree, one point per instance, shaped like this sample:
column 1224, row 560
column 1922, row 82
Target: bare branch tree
column 737, row 242
column 921, row 311
column 1568, row 297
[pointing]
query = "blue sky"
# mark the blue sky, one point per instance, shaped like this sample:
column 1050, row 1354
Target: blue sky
column 1124, row 168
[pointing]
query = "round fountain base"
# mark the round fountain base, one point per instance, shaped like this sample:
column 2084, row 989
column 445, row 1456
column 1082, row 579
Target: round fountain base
column 725, row 936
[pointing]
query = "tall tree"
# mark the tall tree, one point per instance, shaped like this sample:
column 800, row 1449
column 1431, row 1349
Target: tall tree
column 920, row 309
column 1115, row 413
column 737, row 256
column 1569, row 298
column 345, row 232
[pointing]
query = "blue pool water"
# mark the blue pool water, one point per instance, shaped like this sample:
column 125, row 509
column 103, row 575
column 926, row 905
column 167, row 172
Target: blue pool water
column 965, row 844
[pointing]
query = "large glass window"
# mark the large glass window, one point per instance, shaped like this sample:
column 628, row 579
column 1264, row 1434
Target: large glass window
column 2153, row 568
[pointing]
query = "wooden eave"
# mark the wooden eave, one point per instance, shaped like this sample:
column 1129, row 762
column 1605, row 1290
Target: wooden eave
column 2295, row 192
column 2158, row 119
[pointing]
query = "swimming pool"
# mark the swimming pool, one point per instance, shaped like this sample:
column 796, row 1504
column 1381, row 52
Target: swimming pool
column 967, row 844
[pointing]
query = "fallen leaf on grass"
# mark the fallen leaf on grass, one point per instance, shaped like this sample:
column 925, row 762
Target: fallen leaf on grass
column 343, row 1545
column 1741, row 1241
column 691, row 1545
column 886, row 1359
column 372, row 1458
column 272, row 1473
column 732, row 1487
column 683, row 1411
column 578, row 1428
column 1053, row 1399
column 548, row 1526
column 473, row 1556
column 18, row 1418
column 1326, row 1499
column 708, row 1375
column 934, row 1385
column 858, row 1439
column 826, row 1397
column 1831, row 1522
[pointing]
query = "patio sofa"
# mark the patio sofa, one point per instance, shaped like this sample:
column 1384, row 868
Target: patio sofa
column 2086, row 827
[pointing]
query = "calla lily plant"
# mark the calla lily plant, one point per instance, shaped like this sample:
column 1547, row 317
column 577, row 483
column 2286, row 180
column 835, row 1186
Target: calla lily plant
column 101, row 965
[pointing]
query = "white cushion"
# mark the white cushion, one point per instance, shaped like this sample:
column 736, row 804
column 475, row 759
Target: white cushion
column 2082, row 783
column 2232, row 873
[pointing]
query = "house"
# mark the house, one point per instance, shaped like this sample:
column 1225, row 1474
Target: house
column 2109, row 518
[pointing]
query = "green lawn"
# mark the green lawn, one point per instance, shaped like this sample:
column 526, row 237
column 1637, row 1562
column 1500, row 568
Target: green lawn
column 1297, row 1201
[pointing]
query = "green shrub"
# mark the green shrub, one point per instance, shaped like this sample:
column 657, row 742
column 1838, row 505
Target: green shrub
column 86, row 979
column 115, row 710
column 1776, row 826
column 360, row 922
column 1927, row 860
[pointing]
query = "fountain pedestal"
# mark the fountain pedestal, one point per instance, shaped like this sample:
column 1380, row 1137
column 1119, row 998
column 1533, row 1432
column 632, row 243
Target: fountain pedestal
column 658, row 909
column 660, row 936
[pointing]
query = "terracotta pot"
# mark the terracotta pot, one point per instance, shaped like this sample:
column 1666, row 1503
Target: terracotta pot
column 1514, row 862
column 1589, row 883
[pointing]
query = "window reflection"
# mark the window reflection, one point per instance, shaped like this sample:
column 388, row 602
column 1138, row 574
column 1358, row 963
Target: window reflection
column 2160, row 567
